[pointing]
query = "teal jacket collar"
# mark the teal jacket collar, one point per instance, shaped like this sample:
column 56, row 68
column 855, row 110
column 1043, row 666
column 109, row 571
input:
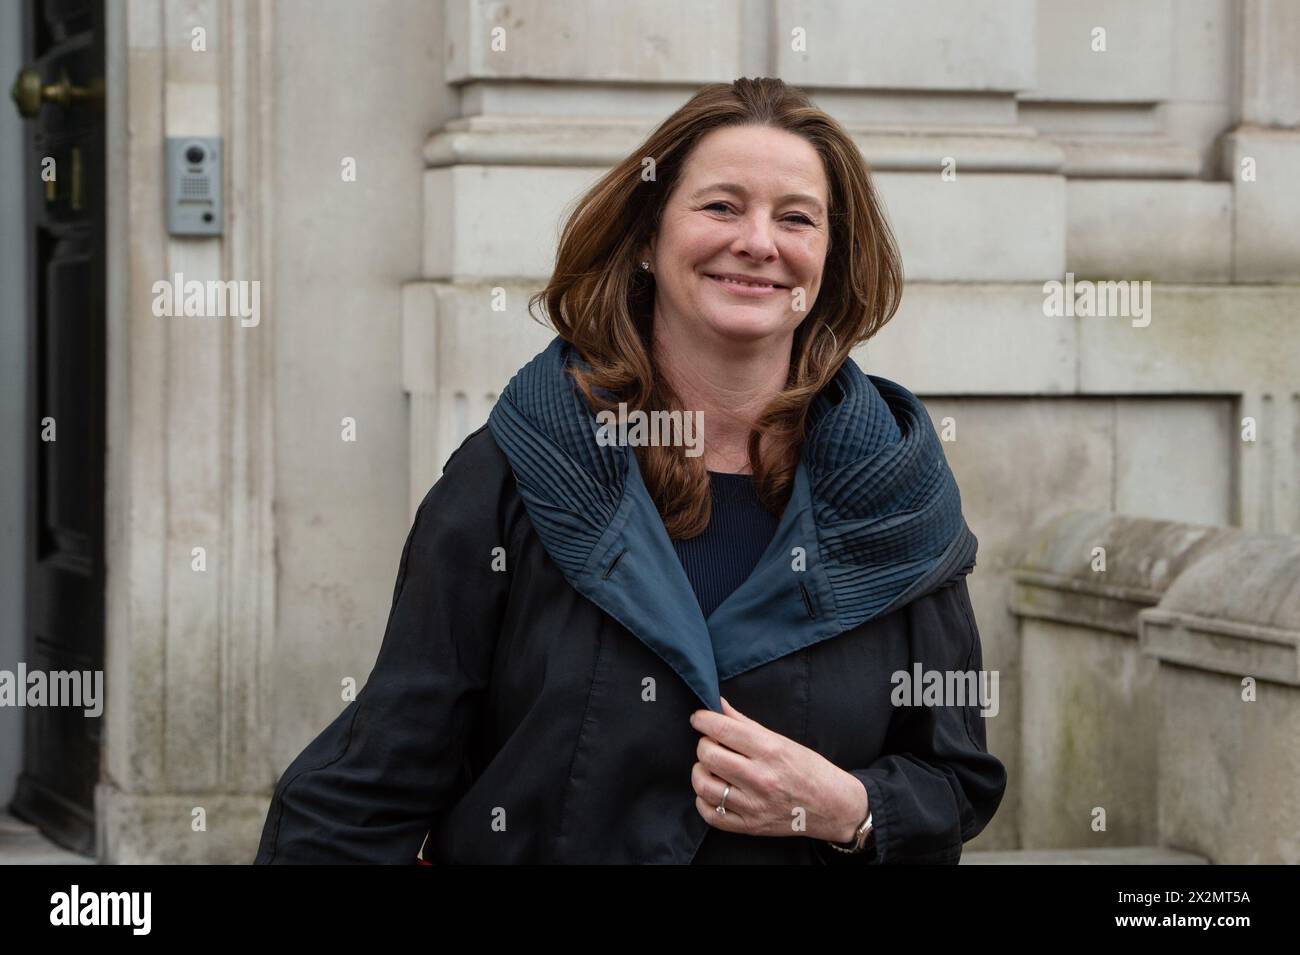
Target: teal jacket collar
column 874, row 521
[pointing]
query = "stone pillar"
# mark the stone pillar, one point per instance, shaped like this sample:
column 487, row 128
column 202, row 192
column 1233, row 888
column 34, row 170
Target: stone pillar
column 1260, row 158
column 1226, row 642
column 1262, row 154
column 190, row 451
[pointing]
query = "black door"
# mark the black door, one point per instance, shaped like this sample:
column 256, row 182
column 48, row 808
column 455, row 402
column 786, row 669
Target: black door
column 61, row 93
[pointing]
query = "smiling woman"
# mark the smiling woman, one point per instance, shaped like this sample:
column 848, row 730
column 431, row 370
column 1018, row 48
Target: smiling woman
column 570, row 612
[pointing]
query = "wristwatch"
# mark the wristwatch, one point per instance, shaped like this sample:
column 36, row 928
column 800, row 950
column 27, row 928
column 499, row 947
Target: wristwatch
column 859, row 840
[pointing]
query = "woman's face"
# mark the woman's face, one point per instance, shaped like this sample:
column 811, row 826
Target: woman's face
column 751, row 201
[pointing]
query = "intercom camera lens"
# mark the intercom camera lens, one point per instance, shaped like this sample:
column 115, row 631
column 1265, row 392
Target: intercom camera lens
column 195, row 154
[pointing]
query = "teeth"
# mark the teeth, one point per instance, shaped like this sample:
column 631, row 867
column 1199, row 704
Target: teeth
column 746, row 284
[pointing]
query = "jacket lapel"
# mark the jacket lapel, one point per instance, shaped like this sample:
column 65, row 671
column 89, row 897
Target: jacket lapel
column 635, row 576
column 873, row 521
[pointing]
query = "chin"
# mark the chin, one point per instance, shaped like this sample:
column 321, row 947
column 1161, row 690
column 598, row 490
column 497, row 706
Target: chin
column 742, row 327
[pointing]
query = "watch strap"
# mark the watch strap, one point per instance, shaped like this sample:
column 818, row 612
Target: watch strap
column 859, row 841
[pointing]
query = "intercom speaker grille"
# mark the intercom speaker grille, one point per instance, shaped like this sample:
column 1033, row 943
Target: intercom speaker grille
column 195, row 183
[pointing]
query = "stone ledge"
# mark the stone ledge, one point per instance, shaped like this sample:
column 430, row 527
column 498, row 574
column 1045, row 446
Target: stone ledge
column 1137, row 157
column 499, row 140
column 1235, row 611
column 1054, row 579
column 1223, row 646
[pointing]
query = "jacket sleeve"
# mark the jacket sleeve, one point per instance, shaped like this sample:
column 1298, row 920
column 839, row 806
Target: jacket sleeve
column 937, row 786
column 367, row 789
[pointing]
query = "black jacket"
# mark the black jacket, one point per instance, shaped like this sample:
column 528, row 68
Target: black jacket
column 544, row 652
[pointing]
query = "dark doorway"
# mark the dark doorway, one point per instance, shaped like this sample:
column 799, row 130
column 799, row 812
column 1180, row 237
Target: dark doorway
column 60, row 92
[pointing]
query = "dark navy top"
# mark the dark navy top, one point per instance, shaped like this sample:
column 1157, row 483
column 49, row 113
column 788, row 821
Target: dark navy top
column 723, row 556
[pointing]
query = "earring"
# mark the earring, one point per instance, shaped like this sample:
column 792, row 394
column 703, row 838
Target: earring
column 645, row 264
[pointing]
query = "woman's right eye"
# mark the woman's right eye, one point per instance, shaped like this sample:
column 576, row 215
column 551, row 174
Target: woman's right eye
column 716, row 205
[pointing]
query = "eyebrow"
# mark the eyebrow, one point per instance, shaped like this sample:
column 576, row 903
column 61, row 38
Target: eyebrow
column 741, row 191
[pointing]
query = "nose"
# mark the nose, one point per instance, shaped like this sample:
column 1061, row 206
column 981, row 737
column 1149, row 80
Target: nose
column 756, row 236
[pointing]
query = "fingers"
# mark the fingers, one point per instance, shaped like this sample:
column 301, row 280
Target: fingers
column 730, row 710
column 733, row 821
column 725, row 763
column 708, row 795
column 731, row 728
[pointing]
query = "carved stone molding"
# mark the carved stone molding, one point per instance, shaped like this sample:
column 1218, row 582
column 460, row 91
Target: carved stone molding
column 190, row 449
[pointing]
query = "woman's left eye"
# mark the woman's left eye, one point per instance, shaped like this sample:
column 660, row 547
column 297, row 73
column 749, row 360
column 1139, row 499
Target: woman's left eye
column 797, row 216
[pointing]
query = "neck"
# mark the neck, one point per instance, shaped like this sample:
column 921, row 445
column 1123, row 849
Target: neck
column 732, row 383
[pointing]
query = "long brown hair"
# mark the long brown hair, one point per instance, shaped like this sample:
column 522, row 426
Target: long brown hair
column 601, row 301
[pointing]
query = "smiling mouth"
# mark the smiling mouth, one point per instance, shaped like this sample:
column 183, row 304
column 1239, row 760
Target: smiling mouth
column 739, row 284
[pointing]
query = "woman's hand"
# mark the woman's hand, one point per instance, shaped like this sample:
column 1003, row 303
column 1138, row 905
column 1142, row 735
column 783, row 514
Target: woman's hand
column 778, row 787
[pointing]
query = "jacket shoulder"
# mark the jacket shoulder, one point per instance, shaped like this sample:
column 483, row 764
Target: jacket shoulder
column 477, row 485
column 479, row 452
